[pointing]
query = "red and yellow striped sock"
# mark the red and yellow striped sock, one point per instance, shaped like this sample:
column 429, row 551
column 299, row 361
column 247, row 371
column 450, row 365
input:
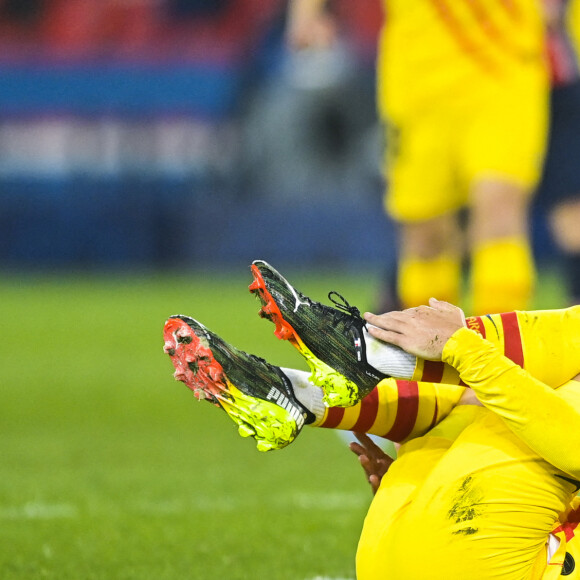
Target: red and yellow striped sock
column 546, row 343
column 396, row 410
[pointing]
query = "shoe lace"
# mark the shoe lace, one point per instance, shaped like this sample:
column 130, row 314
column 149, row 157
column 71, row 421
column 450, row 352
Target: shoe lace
column 342, row 304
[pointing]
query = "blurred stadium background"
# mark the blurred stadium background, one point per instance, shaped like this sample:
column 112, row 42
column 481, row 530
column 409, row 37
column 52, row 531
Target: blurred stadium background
column 147, row 133
column 149, row 150
column 156, row 133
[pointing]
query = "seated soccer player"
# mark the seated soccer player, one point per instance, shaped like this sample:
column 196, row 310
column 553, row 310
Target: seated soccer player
column 562, row 546
column 350, row 366
column 488, row 484
column 475, row 494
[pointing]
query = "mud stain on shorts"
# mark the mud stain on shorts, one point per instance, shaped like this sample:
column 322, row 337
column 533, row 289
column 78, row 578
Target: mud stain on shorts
column 466, row 508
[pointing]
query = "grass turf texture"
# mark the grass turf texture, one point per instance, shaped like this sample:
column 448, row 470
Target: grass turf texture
column 109, row 469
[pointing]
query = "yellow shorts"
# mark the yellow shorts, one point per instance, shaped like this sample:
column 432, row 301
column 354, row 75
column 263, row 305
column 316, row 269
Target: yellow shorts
column 479, row 504
column 439, row 145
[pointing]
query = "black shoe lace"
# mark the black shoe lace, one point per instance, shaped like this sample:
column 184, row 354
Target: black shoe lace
column 342, row 304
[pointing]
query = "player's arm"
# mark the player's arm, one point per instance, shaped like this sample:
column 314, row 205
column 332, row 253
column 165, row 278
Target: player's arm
column 547, row 420
column 400, row 410
column 544, row 342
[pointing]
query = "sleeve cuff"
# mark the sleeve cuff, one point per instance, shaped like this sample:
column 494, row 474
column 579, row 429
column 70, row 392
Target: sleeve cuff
column 476, row 359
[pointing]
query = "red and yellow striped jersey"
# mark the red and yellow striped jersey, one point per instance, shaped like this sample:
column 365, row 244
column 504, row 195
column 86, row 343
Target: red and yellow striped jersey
column 432, row 48
column 546, row 343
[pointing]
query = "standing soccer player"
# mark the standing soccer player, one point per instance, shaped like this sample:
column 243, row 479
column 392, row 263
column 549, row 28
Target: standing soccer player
column 463, row 94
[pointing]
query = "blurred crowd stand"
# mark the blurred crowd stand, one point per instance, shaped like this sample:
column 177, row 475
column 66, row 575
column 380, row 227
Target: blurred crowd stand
column 171, row 132
column 153, row 29
column 184, row 132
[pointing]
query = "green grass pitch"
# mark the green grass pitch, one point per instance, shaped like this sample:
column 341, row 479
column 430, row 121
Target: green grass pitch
column 111, row 470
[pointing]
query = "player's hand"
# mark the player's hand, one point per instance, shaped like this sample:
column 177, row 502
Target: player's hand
column 422, row 331
column 373, row 459
column 310, row 25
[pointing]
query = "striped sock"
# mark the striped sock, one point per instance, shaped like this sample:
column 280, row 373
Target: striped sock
column 396, row 410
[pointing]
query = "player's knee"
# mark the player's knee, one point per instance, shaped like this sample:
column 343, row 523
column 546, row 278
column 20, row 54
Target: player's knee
column 429, row 239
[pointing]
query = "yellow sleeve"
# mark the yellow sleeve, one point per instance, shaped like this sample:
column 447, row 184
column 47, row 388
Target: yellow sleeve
column 544, row 342
column 547, row 420
column 551, row 344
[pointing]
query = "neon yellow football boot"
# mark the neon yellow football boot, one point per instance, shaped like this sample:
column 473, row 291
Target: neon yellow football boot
column 257, row 396
column 331, row 339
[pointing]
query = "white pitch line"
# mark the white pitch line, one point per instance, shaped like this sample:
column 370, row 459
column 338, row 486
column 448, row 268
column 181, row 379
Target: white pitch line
column 328, row 578
column 39, row 511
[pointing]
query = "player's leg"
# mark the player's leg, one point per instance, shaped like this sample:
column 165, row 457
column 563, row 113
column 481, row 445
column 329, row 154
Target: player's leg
column 502, row 160
column 335, row 342
column 396, row 410
column 423, row 197
column 272, row 404
column 503, row 272
column 430, row 260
